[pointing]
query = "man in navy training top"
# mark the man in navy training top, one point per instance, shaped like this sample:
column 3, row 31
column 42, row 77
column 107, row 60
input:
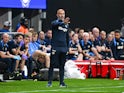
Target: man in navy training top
column 59, row 45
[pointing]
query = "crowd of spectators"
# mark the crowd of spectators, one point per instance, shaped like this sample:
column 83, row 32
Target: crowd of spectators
column 32, row 48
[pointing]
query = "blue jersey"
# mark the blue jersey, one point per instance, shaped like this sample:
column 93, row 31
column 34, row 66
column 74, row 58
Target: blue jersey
column 47, row 40
column 4, row 47
column 75, row 47
column 103, row 42
column 110, row 53
column 60, row 36
column 33, row 46
column 4, row 30
column 13, row 45
column 118, row 49
column 86, row 47
column 96, row 42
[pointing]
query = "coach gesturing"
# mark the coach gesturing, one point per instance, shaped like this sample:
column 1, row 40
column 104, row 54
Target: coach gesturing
column 59, row 46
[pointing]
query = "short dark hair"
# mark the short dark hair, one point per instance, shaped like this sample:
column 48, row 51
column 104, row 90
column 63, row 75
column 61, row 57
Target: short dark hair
column 117, row 31
column 17, row 35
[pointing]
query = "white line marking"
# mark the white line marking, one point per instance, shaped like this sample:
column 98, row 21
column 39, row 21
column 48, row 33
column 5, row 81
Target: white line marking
column 72, row 90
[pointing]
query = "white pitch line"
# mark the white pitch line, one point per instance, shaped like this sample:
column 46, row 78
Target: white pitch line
column 83, row 91
column 71, row 90
column 103, row 87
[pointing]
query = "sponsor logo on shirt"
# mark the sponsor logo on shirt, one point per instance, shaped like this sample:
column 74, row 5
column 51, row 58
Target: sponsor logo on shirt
column 63, row 29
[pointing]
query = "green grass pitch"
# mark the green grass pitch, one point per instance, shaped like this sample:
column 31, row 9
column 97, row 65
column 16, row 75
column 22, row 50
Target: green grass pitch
column 74, row 86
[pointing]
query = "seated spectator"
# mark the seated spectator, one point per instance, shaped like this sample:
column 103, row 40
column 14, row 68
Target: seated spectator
column 15, row 47
column 48, row 38
column 33, row 45
column 80, row 33
column 75, row 51
column 89, row 51
column 109, row 54
column 104, row 46
column 6, row 27
column 101, row 46
column 118, row 46
column 100, row 41
column 5, row 53
column 24, row 47
column 20, row 47
column 96, row 35
column 41, row 38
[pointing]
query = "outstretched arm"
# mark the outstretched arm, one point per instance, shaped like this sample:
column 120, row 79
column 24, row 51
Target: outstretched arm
column 60, row 22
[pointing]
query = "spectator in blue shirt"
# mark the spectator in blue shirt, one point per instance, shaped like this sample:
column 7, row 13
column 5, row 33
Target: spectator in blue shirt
column 34, row 45
column 6, row 27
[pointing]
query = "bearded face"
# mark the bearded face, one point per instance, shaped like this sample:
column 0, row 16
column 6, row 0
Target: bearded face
column 25, row 3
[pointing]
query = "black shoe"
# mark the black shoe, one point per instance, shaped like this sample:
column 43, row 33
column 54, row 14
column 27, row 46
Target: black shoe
column 63, row 85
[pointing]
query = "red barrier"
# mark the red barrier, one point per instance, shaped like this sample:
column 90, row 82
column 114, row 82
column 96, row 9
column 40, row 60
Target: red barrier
column 101, row 68
column 116, row 68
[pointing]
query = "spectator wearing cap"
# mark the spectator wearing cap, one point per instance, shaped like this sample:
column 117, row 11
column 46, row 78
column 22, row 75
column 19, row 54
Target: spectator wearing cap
column 6, row 27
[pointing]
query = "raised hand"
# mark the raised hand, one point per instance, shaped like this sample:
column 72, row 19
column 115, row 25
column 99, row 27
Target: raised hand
column 24, row 56
column 21, row 43
column 67, row 20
